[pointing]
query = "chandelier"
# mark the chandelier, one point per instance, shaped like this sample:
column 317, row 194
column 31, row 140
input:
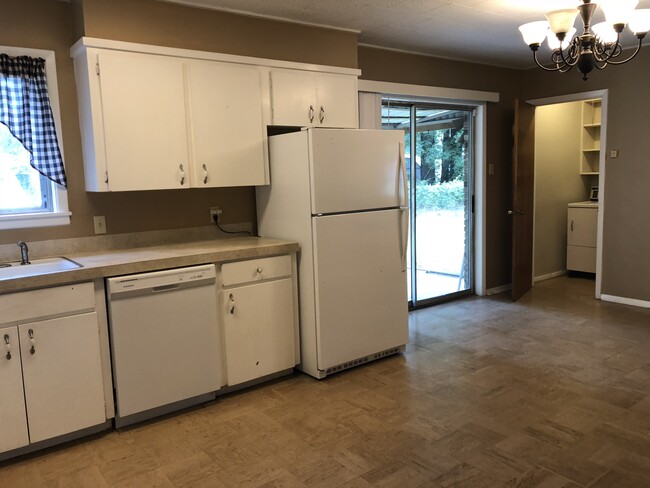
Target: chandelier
column 598, row 46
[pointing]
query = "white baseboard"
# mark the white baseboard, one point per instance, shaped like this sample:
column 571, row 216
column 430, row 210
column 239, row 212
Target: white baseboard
column 498, row 289
column 549, row 276
column 625, row 301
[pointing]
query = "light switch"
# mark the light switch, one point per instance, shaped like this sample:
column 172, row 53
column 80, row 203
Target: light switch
column 613, row 153
column 100, row 224
column 491, row 168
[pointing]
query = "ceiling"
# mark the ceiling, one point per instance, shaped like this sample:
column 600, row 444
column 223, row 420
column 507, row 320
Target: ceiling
column 483, row 31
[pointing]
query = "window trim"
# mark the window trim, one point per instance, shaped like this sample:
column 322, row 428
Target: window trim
column 60, row 214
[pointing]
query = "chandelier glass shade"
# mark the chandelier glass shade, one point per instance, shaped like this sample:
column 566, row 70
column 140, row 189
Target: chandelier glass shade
column 597, row 46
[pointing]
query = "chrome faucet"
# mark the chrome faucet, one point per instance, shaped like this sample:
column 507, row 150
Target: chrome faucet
column 24, row 250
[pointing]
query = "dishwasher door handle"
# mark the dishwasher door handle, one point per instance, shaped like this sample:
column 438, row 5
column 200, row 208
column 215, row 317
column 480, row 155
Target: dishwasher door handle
column 160, row 288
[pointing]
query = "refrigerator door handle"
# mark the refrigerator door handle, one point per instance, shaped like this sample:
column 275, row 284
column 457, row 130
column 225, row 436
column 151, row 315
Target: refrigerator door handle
column 403, row 233
column 402, row 167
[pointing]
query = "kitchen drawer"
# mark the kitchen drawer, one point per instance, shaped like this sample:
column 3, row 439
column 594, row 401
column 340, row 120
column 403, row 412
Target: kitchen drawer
column 27, row 306
column 255, row 270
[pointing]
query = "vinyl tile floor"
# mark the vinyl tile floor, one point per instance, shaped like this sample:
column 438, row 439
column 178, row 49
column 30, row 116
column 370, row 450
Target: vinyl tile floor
column 552, row 391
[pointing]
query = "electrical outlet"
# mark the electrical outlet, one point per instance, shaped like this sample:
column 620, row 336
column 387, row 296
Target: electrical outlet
column 214, row 211
column 100, row 224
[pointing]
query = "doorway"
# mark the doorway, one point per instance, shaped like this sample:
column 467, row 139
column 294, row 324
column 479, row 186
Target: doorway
column 569, row 153
column 439, row 141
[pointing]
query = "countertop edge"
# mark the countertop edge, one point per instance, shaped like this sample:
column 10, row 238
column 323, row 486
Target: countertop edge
column 104, row 264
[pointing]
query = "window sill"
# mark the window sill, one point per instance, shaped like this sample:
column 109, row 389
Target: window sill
column 24, row 221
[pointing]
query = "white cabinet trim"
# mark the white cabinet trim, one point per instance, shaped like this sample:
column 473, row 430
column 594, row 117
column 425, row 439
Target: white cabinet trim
column 427, row 92
column 86, row 42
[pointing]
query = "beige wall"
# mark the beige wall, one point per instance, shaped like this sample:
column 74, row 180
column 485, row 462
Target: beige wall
column 392, row 66
column 557, row 182
column 56, row 25
column 626, row 239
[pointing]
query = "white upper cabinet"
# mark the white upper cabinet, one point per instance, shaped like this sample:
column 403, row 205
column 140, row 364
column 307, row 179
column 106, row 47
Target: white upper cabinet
column 162, row 118
column 308, row 99
column 144, row 119
column 227, row 131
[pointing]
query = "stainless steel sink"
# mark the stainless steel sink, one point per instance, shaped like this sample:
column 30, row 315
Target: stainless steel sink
column 36, row 267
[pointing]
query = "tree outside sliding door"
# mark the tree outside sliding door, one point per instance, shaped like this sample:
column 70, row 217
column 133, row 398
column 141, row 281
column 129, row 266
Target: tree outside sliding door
column 439, row 156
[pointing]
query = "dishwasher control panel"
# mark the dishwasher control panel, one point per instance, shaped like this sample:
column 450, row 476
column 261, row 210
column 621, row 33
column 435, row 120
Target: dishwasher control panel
column 162, row 280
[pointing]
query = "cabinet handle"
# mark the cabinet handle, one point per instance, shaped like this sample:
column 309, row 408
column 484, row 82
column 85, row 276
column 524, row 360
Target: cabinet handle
column 231, row 304
column 259, row 270
column 8, row 346
column 205, row 175
column 181, row 174
column 32, row 350
column 321, row 114
column 311, row 113
column 572, row 222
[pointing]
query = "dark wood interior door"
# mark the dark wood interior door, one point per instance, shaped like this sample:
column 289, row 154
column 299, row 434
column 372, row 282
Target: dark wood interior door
column 522, row 205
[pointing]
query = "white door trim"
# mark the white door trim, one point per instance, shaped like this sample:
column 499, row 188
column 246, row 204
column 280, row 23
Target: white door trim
column 472, row 99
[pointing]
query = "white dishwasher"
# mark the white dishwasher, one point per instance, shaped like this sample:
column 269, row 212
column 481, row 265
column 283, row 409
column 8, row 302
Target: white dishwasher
column 165, row 341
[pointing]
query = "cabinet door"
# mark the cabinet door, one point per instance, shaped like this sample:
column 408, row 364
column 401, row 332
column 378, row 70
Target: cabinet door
column 259, row 330
column 226, row 125
column 145, row 132
column 293, row 98
column 62, row 376
column 337, row 97
column 582, row 226
column 13, row 422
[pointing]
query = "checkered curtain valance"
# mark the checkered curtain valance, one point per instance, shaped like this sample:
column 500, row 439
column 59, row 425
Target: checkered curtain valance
column 25, row 110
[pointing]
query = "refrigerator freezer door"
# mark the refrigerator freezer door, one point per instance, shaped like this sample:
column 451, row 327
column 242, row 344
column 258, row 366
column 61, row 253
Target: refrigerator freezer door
column 361, row 301
column 355, row 170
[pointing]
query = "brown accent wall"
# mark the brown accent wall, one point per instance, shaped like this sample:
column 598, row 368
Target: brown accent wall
column 56, row 25
column 626, row 229
column 169, row 24
column 391, row 66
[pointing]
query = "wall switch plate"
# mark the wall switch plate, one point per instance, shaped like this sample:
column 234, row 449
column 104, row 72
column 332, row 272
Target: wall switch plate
column 491, row 168
column 613, row 153
column 100, row 224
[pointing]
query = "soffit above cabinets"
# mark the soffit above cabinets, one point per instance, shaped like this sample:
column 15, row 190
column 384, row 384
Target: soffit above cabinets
column 482, row 31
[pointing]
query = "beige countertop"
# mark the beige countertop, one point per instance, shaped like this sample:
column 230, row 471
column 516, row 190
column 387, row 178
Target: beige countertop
column 103, row 264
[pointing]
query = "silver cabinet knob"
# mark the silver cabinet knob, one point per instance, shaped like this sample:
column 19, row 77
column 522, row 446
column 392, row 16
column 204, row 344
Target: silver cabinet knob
column 8, row 346
column 32, row 350
column 181, row 174
column 259, row 270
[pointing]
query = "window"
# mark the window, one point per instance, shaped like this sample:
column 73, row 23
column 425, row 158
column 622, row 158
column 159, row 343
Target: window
column 30, row 197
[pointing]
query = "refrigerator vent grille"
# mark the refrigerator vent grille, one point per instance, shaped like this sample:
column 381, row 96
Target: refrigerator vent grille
column 366, row 359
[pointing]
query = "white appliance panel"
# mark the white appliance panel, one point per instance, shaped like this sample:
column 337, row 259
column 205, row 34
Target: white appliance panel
column 360, row 281
column 356, row 170
column 165, row 338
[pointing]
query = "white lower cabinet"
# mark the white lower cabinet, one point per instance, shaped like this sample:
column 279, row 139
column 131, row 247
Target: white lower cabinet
column 259, row 318
column 51, row 368
column 62, row 374
column 582, row 226
column 13, row 419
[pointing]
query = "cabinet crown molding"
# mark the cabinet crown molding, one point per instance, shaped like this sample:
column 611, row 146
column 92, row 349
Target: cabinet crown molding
column 93, row 42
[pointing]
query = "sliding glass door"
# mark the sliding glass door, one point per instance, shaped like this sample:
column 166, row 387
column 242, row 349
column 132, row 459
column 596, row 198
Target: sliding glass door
column 439, row 157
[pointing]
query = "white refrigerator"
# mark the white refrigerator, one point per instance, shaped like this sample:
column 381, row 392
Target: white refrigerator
column 341, row 194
